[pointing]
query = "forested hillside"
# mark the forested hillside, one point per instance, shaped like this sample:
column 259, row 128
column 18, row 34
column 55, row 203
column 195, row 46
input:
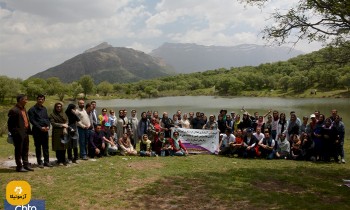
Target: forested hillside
column 324, row 70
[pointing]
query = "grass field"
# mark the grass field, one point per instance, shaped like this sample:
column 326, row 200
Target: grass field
column 192, row 182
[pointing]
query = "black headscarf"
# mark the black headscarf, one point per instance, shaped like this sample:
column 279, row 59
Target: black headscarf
column 72, row 118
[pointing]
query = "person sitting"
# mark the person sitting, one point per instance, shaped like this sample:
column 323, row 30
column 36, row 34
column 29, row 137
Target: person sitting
column 111, row 147
column 267, row 145
column 153, row 135
column 97, row 143
column 296, row 152
column 113, row 130
column 178, row 148
column 307, row 147
column 145, row 147
column 228, row 139
column 237, row 147
column 125, row 146
column 283, row 148
column 166, row 147
column 258, row 134
column 249, row 144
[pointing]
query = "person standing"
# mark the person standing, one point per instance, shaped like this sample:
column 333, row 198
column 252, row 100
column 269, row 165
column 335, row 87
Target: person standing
column 143, row 126
column 133, row 123
column 167, row 124
column 83, row 129
column 19, row 127
column 94, row 113
column 59, row 122
column 74, row 135
column 41, row 125
column 121, row 123
column 340, row 133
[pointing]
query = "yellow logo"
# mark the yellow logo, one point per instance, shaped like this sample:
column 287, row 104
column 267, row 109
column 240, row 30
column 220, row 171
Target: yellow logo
column 18, row 193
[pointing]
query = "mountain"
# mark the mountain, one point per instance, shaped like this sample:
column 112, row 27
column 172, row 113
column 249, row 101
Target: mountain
column 112, row 64
column 101, row 46
column 187, row 58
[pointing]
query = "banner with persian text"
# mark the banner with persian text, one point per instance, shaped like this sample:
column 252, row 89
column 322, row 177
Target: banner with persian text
column 199, row 141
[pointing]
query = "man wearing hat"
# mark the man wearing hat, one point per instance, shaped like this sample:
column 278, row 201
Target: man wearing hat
column 249, row 143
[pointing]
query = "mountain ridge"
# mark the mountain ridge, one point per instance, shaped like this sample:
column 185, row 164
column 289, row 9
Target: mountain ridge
column 190, row 57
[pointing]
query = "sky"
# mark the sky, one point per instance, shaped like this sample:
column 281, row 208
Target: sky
column 38, row 34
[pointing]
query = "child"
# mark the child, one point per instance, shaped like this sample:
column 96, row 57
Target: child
column 166, row 147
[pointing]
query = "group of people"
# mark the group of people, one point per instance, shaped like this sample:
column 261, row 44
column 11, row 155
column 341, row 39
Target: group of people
column 96, row 135
column 314, row 138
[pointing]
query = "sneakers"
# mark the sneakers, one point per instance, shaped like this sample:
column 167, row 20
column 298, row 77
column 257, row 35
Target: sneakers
column 41, row 165
column 343, row 160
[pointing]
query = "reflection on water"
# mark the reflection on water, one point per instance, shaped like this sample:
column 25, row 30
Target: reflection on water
column 212, row 105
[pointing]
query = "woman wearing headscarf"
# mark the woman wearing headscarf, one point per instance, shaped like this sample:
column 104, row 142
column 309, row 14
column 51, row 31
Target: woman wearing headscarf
column 59, row 122
column 178, row 148
column 74, row 136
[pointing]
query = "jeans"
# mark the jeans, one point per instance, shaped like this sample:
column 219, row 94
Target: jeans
column 83, row 140
column 144, row 153
column 178, row 153
column 273, row 134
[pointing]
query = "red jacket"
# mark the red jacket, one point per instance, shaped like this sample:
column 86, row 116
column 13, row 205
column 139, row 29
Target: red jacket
column 172, row 143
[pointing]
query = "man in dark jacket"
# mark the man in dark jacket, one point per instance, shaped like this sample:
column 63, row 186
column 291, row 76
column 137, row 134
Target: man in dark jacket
column 41, row 125
column 249, row 144
column 19, row 127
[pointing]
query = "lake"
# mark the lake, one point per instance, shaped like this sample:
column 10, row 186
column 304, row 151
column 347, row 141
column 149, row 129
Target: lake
column 212, row 105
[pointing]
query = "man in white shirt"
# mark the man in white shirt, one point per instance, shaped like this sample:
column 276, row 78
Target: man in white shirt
column 83, row 129
column 227, row 140
column 258, row 134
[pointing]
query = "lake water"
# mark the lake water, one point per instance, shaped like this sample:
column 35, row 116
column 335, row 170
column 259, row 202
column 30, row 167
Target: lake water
column 212, row 105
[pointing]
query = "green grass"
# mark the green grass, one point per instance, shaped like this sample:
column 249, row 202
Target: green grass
column 193, row 182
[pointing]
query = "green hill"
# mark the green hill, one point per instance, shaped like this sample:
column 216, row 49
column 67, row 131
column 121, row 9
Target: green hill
column 112, row 64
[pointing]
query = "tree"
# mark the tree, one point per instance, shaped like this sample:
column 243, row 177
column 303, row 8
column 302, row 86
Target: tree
column 105, row 87
column 35, row 86
column 298, row 82
column 117, row 87
column 9, row 87
column 61, row 90
column 75, row 89
column 87, row 83
column 53, row 83
column 229, row 86
column 315, row 20
column 283, row 82
column 150, row 91
column 345, row 81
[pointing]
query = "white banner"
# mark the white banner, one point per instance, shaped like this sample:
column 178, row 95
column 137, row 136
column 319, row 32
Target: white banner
column 199, row 141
